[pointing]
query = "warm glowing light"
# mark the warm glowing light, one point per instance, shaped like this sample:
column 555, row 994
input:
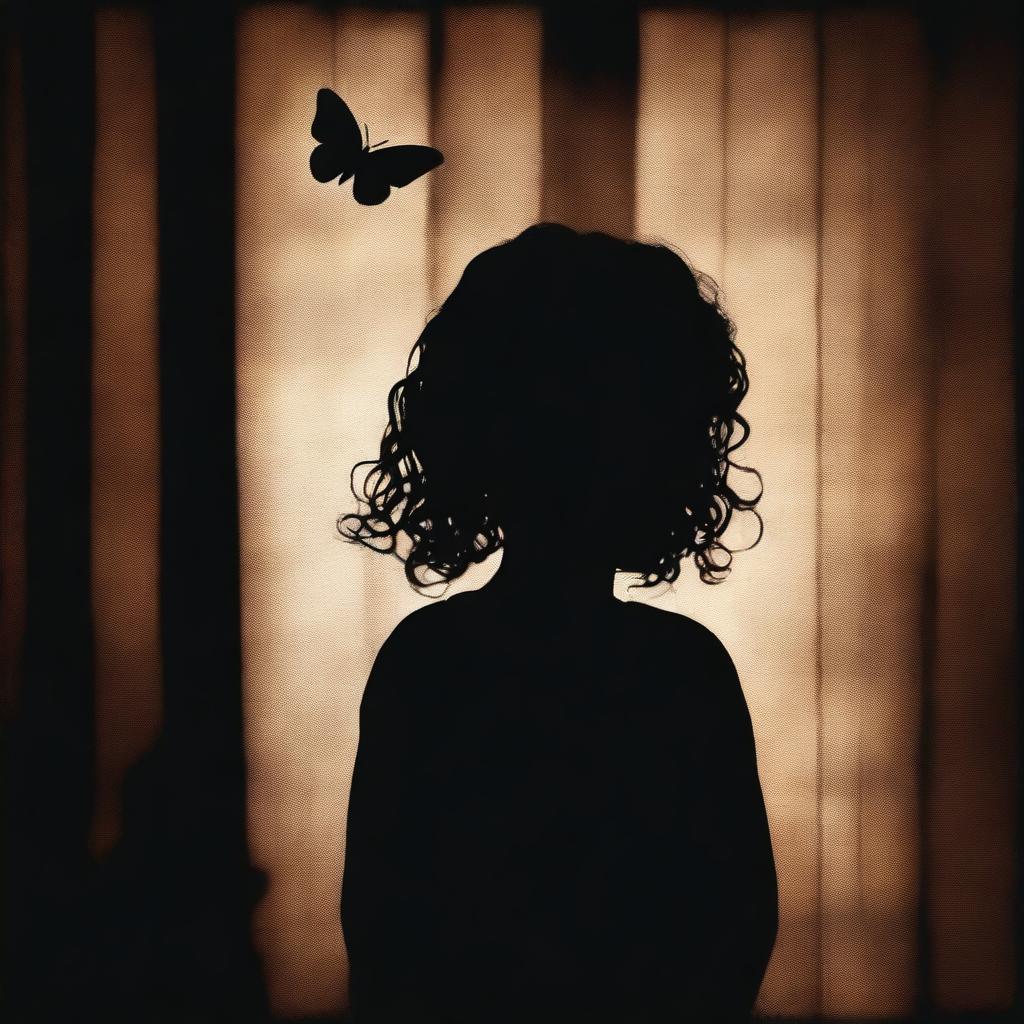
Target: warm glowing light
column 680, row 135
column 331, row 296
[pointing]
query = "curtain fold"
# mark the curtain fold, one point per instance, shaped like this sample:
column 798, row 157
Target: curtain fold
column 973, row 763
column 49, row 742
column 198, row 772
column 126, row 413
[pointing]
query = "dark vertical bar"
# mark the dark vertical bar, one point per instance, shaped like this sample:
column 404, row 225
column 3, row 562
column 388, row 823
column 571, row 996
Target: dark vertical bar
column 968, row 835
column 200, row 762
column 50, row 750
column 937, row 34
column 12, row 376
column 589, row 117
column 1018, row 366
column 12, row 398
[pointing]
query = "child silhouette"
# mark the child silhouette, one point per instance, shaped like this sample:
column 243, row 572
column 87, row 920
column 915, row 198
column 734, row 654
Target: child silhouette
column 555, row 811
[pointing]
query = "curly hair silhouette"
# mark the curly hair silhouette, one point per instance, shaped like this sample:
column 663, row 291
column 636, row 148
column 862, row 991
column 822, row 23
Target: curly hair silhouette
column 580, row 379
column 555, row 813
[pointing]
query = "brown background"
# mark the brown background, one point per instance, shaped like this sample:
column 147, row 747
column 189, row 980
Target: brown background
column 198, row 343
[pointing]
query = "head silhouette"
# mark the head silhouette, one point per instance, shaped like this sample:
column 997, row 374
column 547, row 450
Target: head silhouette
column 576, row 388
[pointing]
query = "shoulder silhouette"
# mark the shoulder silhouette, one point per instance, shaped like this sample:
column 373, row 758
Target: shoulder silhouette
column 555, row 811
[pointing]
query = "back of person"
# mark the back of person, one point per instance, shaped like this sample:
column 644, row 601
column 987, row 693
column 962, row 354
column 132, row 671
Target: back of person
column 555, row 811
column 575, row 835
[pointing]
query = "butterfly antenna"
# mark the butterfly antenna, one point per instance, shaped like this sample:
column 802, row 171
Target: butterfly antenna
column 383, row 142
column 367, row 130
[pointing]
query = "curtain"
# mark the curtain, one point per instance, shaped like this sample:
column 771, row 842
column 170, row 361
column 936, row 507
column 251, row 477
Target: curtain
column 198, row 344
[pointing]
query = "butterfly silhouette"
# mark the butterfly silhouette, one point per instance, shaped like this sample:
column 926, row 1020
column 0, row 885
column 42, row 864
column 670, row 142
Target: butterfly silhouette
column 342, row 154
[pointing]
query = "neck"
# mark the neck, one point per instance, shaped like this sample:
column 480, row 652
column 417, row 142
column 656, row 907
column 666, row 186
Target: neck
column 553, row 578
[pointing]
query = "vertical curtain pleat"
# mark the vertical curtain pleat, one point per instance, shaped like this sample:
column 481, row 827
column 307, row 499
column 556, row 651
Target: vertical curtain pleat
column 680, row 134
column 50, row 751
column 12, row 385
column 126, row 421
column 846, row 594
column 770, row 291
column 486, row 120
column 895, row 485
column 877, row 506
column 198, row 774
column 589, row 110
column 971, row 830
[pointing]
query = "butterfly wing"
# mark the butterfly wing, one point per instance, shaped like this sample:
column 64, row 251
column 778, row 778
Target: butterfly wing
column 337, row 131
column 396, row 166
column 369, row 188
column 329, row 161
column 399, row 165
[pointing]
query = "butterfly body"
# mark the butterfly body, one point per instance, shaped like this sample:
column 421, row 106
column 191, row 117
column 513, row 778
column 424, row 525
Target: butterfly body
column 342, row 154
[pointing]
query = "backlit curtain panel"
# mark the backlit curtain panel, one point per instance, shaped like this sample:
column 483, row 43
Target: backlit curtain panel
column 198, row 342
